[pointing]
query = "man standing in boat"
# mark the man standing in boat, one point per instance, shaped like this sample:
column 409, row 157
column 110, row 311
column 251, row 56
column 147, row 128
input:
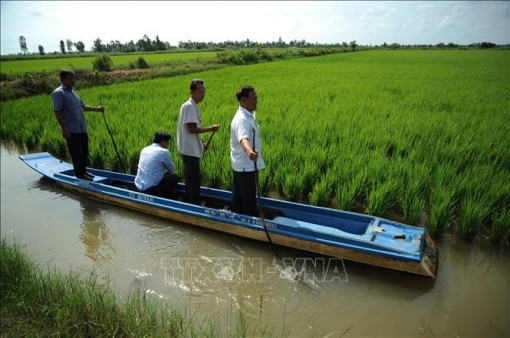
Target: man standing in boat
column 245, row 155
column 190, row 146
column 69, row 108
column 151, row 177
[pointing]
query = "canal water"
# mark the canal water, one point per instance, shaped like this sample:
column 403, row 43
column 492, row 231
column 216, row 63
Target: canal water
column 215, row 275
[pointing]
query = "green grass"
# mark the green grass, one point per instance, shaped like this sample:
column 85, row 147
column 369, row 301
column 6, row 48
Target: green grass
column 18, row 67
column 414, row 133
column 50, row 303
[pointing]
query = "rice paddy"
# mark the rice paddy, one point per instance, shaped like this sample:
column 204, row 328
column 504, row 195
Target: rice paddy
column 18, row 67
column 416, row 136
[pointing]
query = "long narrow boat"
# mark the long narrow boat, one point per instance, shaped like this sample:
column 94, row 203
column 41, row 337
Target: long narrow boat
column 361, row 238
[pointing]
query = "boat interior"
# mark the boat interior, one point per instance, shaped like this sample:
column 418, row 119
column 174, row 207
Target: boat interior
column 207, row 200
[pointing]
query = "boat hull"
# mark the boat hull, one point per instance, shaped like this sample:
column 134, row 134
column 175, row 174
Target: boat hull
column 305, row 235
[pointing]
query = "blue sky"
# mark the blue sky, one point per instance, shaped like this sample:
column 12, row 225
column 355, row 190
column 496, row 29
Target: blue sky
column 368, row 22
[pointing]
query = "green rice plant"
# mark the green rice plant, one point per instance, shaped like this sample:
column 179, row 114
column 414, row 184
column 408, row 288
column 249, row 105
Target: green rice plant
column 411, row 197
column 292, row 189
column 381, row 198
column 442, row 208
column 473, row 213
column 500, row 228
column 351, row 192
column 322, row 191
column 413, row 206
column 264, row 181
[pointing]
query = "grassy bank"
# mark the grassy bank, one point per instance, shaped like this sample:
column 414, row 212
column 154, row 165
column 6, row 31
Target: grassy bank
column 50, row 303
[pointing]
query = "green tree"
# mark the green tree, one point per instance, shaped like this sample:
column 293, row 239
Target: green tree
column 160, row 45
column 62, row 47
column 98, row 45
column 353, row 45
column 80, row 46
column 102, row 63
column 69, row 45
column 23, row 44
column 41, row 50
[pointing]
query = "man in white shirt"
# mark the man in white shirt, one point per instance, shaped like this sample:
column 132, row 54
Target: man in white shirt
column 245, row 156
column 189, row 143
column 151, row 177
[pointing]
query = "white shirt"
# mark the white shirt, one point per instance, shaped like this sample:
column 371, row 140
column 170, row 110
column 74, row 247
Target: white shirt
column 189, row 144
column 154, row 159
column 243, row 125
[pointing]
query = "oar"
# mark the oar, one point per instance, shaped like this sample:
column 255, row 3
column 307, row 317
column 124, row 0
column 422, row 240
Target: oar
column 261, row 211
column 111, row 136
column 208, row 142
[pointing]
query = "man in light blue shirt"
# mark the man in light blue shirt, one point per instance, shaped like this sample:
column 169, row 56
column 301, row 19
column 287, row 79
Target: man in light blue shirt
column 69, row 108
column 155, row 159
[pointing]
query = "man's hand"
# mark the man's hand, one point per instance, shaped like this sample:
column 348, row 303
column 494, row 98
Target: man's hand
column 214, row 127
column 100, row 109
column 253, row 154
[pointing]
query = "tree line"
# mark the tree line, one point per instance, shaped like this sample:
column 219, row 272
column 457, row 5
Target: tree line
column 146, row 44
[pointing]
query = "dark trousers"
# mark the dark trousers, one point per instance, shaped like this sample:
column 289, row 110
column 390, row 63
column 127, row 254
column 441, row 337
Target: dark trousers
column 78, row 147
column 164, row 187
column 244, row 193
column 192, row 177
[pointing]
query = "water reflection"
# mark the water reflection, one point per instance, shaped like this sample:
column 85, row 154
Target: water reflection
column 95, row 234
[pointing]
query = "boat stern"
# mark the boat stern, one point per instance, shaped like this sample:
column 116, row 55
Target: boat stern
column 429, row 261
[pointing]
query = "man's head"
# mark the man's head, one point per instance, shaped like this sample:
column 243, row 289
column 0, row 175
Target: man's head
column 247, row 97
column 67, row 77
column 162, row 138
column 197, row 90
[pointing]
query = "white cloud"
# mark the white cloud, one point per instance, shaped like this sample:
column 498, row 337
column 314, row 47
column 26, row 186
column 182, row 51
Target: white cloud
column 33, row 11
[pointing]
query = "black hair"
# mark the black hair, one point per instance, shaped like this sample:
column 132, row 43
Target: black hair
column 64, row 73
column 160, row 136
column 194, row 84
column 244, row 91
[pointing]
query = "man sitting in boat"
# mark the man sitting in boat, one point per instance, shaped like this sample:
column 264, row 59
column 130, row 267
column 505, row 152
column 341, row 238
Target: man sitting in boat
column 151, row 177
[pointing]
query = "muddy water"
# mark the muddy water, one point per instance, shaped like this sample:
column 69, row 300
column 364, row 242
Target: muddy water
column 215, row 274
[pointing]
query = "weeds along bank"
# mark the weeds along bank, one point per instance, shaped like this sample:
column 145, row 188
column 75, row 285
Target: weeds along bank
column 36, row 302
column 417, row 136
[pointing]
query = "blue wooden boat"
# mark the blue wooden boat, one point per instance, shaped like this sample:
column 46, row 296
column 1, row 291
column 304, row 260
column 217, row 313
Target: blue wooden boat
column 361, row 238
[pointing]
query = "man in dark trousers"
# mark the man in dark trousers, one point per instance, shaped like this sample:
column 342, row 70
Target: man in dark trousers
column 243, row 155
column 190, row 146
column 69, row 108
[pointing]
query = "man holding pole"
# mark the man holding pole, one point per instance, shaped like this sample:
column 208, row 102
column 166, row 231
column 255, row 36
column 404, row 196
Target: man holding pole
column 189, row 143
column 69, row 108
column 245, row 153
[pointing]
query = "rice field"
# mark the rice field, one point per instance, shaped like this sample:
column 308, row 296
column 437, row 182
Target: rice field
column 18, row 67
column 421, row 137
